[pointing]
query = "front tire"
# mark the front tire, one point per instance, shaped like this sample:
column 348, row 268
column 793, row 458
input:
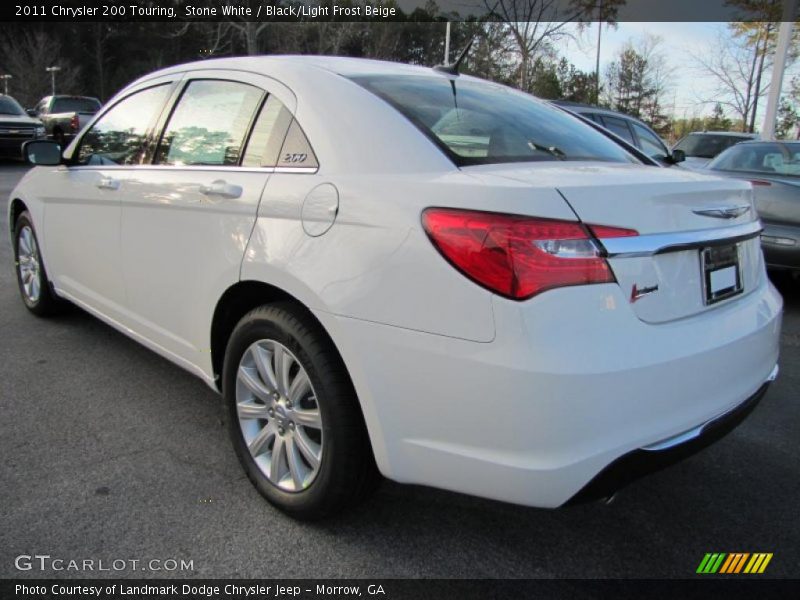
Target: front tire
column 34, row 285
column 293, row 415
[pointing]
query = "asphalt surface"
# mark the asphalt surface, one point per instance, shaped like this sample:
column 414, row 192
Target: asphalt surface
column 108, row 451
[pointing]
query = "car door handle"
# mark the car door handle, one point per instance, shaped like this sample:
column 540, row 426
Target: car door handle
column 108, row 183
column 221, row 188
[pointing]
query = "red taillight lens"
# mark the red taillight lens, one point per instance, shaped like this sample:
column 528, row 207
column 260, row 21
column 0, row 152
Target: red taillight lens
column 514, row 256
column 604, row 231
column 74, row 123
column 760, row 182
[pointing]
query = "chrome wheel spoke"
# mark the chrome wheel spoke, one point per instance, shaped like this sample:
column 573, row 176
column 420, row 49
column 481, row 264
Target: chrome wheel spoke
column 252, row 410
column 308, row 418
column 276, row 463
column 300, row 387
column 283, row 363
column 310, row 451
column 25, row 241
column 295, row 464
column 260, row 442
column 253, row 383
column 263, row 361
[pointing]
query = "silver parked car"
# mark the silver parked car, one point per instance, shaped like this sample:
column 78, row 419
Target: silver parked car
column 774, row 170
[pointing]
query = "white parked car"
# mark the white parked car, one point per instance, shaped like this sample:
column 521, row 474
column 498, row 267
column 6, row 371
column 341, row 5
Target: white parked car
column 386, row 268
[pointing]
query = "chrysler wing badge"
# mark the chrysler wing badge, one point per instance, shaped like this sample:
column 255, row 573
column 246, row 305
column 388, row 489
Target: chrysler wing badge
column 723, row 212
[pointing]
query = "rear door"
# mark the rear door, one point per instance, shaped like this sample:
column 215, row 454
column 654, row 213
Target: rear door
column 187, row 217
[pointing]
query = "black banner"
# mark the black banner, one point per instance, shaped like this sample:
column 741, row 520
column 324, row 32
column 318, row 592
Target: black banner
column 397, row 589
column 303, row 11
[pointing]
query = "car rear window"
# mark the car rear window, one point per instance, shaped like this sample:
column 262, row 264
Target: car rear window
column 704, row 145
column 781, row 160
column 88, row 105
column 476, row 122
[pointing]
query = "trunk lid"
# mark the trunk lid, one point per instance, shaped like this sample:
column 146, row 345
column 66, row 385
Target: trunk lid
column 663, row 272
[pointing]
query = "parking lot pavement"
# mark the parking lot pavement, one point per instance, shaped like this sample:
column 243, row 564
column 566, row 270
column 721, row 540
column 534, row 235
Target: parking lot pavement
column 111, row 452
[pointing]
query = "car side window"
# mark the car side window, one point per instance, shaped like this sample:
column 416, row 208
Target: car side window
column 117, row 138
column 618, row 126
column 270, row 129
column 649, row 142
column 209, row 124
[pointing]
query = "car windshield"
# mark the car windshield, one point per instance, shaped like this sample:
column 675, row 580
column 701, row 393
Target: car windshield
column 87, row 105
column 480, row 123
column 769, row 159
column 704, row 145
column 9, row 106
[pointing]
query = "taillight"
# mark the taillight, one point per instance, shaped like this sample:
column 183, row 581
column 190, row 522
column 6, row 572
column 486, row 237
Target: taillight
column 519, row 257
column 74, row 123
column 760, row 182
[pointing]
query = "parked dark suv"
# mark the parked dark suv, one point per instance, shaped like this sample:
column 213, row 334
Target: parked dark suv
column 16, row 128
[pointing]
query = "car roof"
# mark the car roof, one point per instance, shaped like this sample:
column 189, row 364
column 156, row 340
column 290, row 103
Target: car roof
column 291, row 67
column 581, row 108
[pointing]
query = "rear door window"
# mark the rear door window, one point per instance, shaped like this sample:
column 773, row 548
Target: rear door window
column 209, row 124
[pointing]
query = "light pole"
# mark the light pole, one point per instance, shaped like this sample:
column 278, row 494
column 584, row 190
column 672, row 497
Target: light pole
column 597, row 63
column 781, row 52
column 52, row 71
column 5, row 77
column 447, row 45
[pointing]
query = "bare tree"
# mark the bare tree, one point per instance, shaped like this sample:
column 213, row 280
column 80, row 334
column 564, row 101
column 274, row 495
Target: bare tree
column 25, row 54
column 536, row 25
column 736, row 67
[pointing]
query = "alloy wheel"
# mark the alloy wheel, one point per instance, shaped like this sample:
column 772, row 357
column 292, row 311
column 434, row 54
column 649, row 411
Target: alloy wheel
column 29, row 264
column 279, row 415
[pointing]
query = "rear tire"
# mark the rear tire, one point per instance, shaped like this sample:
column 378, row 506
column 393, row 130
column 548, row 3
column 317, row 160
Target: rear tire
column 293, row 415
column 32, row 280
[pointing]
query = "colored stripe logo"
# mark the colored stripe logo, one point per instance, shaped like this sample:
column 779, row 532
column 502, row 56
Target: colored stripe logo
column 734, row 563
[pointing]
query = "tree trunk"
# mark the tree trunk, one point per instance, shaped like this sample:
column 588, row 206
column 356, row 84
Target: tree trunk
column 750, row 83
column 758, row 78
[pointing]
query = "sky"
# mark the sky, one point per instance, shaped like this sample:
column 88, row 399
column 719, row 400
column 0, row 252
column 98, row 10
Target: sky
column 690, row 86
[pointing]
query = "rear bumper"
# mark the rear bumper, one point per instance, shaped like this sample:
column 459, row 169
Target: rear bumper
column 572, row 382
column 644, row 461
column 779, row 251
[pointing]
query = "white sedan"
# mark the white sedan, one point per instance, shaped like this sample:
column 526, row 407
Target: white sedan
column 399, row 270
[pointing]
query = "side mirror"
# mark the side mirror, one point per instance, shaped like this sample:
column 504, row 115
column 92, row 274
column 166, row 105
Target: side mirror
column 678, row 156
column 31, row 112
column 43, row 153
